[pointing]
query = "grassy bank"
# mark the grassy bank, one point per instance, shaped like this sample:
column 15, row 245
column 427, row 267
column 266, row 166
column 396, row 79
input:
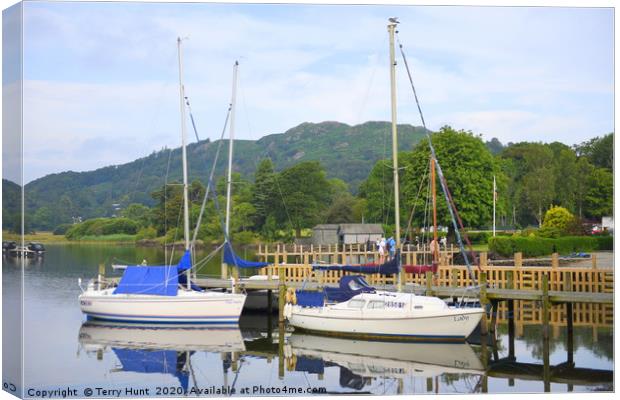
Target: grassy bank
column 50, row 238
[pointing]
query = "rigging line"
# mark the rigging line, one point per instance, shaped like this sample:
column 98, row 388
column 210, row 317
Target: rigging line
column 176, row 232
column 191, row 117
column 415, row 203
column 444, row 185
column 217, row 154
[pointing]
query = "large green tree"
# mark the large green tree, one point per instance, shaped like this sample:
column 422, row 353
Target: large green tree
column 305, row 195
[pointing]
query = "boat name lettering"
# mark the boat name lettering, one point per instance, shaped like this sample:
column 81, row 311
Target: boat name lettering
column 458, row 318
column 85, row 303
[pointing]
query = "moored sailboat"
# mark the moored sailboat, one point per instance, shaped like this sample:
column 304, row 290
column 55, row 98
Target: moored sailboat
column 359, row 310
column 163, row 294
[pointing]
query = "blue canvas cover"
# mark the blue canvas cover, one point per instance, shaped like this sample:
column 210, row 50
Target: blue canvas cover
column 349, row 286
column 387, row 268
column 159, row 280
column 231, row 258
column 307, row 298
column 186, row 262
column 310, row 365
column 156, row 361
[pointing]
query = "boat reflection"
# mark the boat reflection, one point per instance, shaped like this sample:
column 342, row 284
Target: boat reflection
column 152, row 349
column 96, row 335
column 360, row 361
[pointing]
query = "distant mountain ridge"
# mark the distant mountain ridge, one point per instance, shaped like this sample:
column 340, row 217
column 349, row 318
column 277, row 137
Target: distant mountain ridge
column 346, row 152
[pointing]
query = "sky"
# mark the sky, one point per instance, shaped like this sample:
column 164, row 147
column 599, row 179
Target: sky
column 100, row 80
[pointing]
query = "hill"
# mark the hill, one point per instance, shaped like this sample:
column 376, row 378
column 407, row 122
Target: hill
column 346, row 152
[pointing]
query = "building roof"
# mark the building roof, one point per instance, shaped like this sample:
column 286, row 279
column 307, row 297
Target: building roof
column 361, row 229
column 326, row 227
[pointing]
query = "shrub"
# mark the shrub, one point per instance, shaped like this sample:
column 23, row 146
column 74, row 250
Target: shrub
column 102, row 226
column 538, row 246
column 244, row 237
column 557, row 219
column 61, row 229
column 146, row 233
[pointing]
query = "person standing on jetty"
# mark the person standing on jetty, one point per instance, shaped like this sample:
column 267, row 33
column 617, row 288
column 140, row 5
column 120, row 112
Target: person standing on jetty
column 391, row 245
column 381, row 244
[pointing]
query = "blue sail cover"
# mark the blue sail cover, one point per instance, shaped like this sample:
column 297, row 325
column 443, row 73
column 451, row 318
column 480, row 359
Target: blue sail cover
column 157, row 361
column 349, row 286
column 388, row 268
column 186, row 262
column 159, row 280
column 231, row 258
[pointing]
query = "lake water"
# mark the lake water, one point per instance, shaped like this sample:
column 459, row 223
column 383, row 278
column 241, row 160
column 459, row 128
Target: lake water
column 63, row 351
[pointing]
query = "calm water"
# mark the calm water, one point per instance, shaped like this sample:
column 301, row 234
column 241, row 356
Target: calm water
column 64, row 351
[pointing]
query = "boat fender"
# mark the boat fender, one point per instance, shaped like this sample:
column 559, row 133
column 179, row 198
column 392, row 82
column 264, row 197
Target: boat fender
column 288, row 311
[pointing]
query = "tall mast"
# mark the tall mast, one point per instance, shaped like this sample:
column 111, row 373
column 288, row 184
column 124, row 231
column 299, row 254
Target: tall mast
column 184, row 151
column 230, row 147
column 224, row 267
column 391, row 29
column 494, row 199
column 434, row 190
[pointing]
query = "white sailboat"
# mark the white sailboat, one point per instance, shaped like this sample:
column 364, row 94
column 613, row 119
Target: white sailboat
column 380, row 359
column 359, row 310
column 163, row 294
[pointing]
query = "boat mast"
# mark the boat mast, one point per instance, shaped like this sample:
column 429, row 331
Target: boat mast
column 230, row 158
column 184, row 151
column 391, row 29
column 434, row 250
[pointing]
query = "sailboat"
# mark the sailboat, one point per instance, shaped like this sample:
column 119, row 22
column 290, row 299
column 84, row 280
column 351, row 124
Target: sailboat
column 357, row 309
column 391, row 359
column 163, row 294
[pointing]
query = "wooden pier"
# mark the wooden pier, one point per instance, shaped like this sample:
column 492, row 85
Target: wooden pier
column 499, row 286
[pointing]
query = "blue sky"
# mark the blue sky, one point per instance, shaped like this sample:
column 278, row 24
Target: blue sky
column 100, row 79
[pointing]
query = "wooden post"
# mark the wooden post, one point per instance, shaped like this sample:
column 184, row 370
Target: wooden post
column 593, row 256
column 483, row 302
column 546, row 365
column 483, row 259
column 454, row 277
column 485, row 362
column 281, row 350
column 546, row 305
column 555, row 260
column 518, row 259
column 568, row 287
column 429, row 283
column 494, row 312
column 510, row 283
column 281, row 293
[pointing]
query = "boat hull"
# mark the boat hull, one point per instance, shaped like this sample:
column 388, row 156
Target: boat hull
column 186, row 308
column 441, row 324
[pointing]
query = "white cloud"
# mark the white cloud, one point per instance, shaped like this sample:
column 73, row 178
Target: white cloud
column 103, row 76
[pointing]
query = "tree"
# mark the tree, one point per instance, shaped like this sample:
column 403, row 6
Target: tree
column 599, row 199
column 139, row 213
column 341, row 210
column 264, row 192
column 305, row 195
column 599, row 151
column 468, row 167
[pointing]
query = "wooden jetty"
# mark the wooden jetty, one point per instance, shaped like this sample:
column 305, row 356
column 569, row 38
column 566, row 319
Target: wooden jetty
column 500, row 286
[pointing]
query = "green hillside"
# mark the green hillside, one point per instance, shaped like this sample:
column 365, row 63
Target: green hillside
column 346, row 152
